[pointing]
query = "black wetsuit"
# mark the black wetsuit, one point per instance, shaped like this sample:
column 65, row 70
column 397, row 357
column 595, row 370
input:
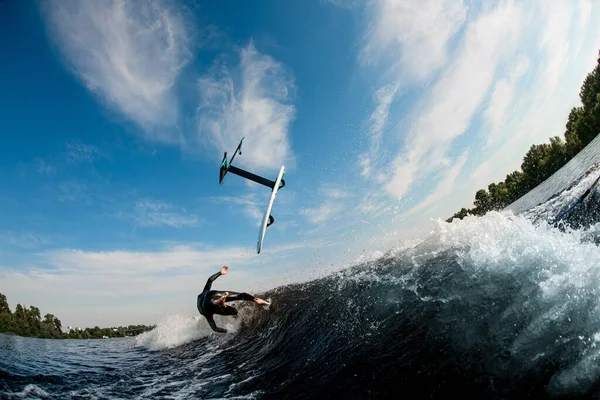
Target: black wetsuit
column 208, row 308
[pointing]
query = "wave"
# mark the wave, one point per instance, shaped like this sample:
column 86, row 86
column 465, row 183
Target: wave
column 498, row 306
column 493, row 304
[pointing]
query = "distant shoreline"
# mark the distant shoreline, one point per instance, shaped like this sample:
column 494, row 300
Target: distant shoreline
column 27, row 322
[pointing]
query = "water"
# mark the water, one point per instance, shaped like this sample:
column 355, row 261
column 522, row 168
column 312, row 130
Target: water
column 569, row 174
column 502, row 306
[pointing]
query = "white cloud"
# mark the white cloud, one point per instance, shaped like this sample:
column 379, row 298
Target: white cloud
column 43, row 168
column 585, row 11
column 252, row 101
column 501, row 103
column 455, row 98
column 251, row 204
column 132, row 263
column 555, row 40
column 73, row 192
column 78, row 152
column 413, row 34
column 130, row 53
column 378, row 119
column 331, row 206
column 445, row 187
column 152, row 213
column 26, row 240
column 86, row 288
column 348, row 4
column 373, row 204
column 411, row 42
column 541, row 109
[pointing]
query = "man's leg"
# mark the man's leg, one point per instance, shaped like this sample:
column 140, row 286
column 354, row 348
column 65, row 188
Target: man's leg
column 213, row 325
column 233, row 296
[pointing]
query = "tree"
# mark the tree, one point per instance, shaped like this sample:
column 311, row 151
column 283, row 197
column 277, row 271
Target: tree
column 4, row 308
column 483, row 202
column 556, row 158
column 515, row 184
column 57, row 324
column 573, row 128
column 591, row 88
column 34, row 321
column 543, row 160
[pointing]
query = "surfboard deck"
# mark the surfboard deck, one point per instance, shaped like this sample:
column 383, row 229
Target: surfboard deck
column 263, row 225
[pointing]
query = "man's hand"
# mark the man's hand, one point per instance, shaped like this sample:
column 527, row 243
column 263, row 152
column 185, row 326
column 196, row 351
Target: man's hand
column 224, row 270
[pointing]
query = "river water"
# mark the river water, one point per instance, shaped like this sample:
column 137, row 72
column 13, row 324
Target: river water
column 501, row 306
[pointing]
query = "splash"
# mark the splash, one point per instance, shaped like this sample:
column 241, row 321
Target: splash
column 498, row 306
column 176, row 330
column 172, row 332
column 33, row 390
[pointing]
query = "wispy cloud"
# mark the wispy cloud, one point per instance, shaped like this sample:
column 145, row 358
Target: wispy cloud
column 374, row 204
column 43, row 168
column 332, row 205
column 254, row 101
column 166, row 279
column 78, row 152
column 445, row 187
column 502, row 101
column 349, row 4
column 131, row 263
column 541, row 110
column 130, row 53
column 407, row 43
column 148, row 213
column 250, row 204
column 447, row 111
column 378, row 120
column 414, row 36
column 25, row 240
column 73, row 192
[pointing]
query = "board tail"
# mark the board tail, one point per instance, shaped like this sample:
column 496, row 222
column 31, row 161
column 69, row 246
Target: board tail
column 268, row 218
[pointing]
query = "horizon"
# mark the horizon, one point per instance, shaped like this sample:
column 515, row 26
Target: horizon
column 387, row 116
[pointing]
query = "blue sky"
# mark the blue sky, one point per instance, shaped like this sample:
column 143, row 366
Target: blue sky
column 387, row 115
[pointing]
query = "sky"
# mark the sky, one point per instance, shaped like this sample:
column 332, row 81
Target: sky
column 387, row 115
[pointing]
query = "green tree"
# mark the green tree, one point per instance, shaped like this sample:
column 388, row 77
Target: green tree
column 34, row 322
column 483, row 202
column 557, row 156
column 573, row 128
column 590, row 98
column 515, row 184
column 543, row 160
column 4, row 308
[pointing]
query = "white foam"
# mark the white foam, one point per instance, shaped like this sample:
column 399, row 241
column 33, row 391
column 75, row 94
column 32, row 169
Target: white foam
column 552, row 208
column 174, row 331
column 565, row 268
column 33, row 390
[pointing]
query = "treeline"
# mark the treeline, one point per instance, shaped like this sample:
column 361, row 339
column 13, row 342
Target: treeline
column 27, row 321
column 99, row 333
column 543, row 160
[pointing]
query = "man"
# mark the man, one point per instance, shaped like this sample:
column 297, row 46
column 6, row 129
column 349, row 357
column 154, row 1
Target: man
column 212, row 302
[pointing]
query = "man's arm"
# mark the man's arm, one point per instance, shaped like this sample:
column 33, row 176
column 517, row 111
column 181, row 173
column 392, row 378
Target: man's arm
column 211, row 279
column 213, row 325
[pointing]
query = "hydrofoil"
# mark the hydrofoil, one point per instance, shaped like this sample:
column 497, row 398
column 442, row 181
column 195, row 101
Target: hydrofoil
column 275, row 186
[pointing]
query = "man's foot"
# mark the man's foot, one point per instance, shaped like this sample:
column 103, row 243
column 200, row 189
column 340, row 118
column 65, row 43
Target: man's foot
column 223, row 299
column 261, row 302
column 221, row 302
